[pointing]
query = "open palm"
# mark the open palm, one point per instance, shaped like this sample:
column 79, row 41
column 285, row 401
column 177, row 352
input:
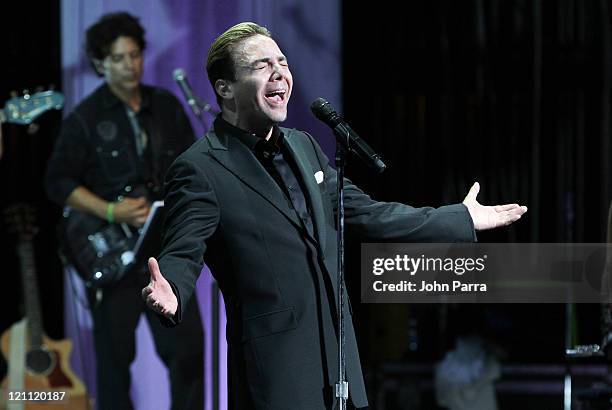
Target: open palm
column 489, row 217
column 158, row 293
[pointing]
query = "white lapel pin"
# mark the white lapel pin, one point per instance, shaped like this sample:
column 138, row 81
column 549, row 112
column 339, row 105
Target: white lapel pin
column 319, row 176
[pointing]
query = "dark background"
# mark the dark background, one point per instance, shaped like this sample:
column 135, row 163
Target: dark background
column 31, row 59
column 514, row 94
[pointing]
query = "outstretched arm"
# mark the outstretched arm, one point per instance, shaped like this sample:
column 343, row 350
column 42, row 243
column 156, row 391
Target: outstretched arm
column 192, row 215
column 490, row 217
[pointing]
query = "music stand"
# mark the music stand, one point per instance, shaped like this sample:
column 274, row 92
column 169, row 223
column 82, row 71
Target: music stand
column 150, row 241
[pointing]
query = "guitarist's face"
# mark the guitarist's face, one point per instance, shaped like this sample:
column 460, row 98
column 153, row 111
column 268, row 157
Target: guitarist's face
column 122, row 68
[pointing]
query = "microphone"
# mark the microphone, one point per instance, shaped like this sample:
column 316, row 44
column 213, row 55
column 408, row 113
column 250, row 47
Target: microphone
column 323, row 110
column 181, row 78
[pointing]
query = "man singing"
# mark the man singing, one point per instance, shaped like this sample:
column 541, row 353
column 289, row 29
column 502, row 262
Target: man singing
column 256, row 202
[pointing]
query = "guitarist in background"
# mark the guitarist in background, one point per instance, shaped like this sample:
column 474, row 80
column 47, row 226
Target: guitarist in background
column 125, row 135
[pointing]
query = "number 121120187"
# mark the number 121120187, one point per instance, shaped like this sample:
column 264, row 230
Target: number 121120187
column 32, row 395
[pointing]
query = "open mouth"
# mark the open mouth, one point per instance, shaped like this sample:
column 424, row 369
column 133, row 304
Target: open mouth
column 276, row 96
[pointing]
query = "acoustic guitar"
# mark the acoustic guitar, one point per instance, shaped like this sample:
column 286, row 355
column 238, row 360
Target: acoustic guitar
column 39, row 375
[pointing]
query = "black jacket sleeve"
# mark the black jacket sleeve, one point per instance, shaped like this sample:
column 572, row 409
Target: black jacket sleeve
column 378, row 221
column 192, row 217
column 68, row 161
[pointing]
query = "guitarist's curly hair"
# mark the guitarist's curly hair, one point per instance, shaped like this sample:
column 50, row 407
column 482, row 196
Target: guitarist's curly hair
column 102, row 34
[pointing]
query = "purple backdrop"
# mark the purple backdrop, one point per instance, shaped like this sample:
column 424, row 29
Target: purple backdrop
column 178, row 35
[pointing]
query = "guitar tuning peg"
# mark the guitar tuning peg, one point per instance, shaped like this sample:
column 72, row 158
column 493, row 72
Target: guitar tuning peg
column 26, row 93
column 14, row 94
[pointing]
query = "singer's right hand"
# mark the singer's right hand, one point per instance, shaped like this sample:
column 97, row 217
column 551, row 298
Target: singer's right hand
column 158, row 294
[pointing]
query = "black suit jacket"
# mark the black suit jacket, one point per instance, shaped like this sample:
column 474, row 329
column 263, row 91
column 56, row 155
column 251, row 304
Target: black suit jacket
column 277, row 280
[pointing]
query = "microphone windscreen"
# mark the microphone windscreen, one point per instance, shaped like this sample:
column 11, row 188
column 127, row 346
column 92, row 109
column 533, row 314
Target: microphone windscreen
column 178, row 74
column 323, row 110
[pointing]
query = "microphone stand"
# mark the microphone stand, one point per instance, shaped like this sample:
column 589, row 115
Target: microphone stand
column 342, row 386
column 324, row 112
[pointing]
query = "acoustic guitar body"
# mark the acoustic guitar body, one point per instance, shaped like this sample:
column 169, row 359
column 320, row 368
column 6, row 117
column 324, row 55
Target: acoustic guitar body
column 43, row 369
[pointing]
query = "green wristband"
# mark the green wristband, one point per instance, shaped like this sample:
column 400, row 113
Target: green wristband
column 110, row 216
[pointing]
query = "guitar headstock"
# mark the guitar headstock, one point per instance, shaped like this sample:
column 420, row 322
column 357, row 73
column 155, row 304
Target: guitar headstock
column 21, row 221
column 28, row 107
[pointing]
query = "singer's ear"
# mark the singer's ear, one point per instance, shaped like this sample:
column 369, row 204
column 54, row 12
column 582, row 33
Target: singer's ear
column 224, row 89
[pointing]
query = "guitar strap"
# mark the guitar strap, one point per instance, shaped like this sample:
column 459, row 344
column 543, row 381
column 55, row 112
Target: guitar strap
column 17, row 362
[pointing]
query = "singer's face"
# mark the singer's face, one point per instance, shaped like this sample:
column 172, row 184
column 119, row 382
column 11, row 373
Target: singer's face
column 122, row 67
column 263, row 84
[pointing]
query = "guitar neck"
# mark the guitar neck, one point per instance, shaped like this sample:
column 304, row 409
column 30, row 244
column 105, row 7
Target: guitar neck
column 25, row 249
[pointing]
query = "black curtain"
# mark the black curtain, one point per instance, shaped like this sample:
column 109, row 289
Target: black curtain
column 514, row 94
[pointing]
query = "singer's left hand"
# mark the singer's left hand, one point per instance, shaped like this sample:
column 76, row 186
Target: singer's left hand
column 489, row 217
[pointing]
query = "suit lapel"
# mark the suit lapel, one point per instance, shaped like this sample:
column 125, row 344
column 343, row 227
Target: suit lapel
column 312, row 193
column 241, row 162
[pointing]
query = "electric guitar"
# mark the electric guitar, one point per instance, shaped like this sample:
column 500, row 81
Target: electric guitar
column 25, row 109
column 38, row 366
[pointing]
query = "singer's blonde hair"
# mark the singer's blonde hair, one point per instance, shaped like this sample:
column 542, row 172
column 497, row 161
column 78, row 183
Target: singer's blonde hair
column 220, row 62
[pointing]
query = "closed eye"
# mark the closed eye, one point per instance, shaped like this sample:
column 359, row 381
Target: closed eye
column 266, row 62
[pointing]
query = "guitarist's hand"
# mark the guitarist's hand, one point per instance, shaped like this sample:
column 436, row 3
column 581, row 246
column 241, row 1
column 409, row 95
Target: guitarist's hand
column 158, row 293
column 133, row 211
